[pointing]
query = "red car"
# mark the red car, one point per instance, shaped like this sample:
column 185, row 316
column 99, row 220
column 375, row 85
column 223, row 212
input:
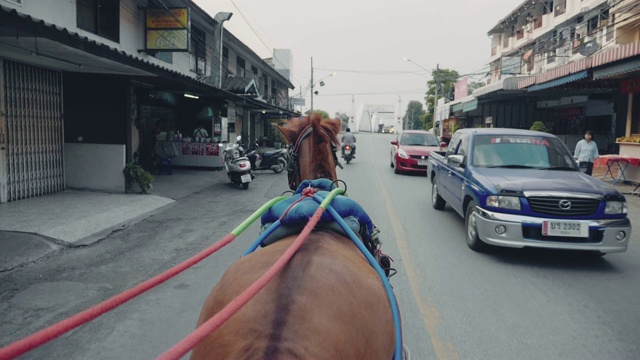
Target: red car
column 410, row 151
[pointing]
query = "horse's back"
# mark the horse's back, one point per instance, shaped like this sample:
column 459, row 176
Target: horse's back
column 327, row 303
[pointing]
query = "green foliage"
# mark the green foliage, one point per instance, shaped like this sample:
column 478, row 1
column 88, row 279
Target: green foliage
column 474, row 85
column 323, row 114
column 538, row 126
column 414, row 117
column 447, row 79
column 135, row 174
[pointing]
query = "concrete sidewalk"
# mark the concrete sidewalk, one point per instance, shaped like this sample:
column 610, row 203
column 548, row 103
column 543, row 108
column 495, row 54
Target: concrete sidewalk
column 32, row 228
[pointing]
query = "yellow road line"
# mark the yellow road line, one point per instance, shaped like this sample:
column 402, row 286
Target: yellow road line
column 427, row 307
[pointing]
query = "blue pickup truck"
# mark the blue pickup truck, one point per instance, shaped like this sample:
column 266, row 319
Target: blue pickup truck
column 522, row 188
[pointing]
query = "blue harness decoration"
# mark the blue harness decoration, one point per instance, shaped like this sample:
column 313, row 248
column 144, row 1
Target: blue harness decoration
column 297, row 217
column 344, row 215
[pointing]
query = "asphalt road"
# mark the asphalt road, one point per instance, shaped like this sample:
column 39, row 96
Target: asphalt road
column 455, row 303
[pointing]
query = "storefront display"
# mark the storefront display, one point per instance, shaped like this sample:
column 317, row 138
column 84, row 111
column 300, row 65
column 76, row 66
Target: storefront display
column 187, row 153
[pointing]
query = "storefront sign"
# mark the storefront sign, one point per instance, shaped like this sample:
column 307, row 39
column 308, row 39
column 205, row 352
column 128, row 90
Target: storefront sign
column 570, row 113
column 200, row 149
column 167, row 30
column 630, row 86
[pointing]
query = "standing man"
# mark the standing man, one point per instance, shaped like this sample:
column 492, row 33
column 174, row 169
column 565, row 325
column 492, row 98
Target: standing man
column 349, row 139
column 586, row 152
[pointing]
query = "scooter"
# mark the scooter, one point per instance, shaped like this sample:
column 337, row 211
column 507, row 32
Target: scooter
column 348, row 155
column 238, row 166
column 275, row 160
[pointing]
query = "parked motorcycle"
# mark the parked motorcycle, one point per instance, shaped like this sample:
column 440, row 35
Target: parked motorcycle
column 275, row 160
column 348, row 153
column 237, row 165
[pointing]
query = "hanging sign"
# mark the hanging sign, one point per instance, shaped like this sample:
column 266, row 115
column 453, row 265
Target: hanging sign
column 167, row 29
column 630, row 86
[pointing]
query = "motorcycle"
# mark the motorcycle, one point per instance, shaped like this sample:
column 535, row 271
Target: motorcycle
column 275, row 160
column 237, row 165
column 348, row 154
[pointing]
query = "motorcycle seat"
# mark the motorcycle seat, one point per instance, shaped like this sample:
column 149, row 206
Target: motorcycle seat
column 271, row 153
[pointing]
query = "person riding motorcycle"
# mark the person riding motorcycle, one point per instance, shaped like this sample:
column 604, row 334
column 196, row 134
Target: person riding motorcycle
column 349, row 139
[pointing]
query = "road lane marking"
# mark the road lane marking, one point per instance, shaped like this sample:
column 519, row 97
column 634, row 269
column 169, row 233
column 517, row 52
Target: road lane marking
column 428, row 309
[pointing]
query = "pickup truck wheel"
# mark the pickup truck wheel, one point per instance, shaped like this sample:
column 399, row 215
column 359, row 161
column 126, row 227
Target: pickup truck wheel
column 437, row 201
column 473, row 240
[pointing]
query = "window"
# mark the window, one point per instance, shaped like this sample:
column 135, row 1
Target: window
column 592, row 25
column 551, row 56
column 101, row 17
column 240, row 71
column 165, row 56
column 198, row 50
column 254, row 70
column 265, row 82
column 225, row 61
column 560, row 7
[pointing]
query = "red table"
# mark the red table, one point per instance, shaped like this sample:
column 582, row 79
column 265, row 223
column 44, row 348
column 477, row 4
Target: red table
column 622, row 162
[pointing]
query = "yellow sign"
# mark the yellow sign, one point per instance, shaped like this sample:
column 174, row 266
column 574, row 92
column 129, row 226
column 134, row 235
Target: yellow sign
column 167, row 40
column 168, row 19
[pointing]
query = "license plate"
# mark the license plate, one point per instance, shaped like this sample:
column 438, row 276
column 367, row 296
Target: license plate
column 565, row 228
column 245, row 178
column 423, row 162
column 347, row 151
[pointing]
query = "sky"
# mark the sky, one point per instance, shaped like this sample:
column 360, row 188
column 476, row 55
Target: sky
column 364, row 43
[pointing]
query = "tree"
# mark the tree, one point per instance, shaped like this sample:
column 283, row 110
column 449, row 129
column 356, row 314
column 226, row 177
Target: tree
column 447, row 79
column 323, row 114
column 344, row 119
column 413, row 117
column 474, row 85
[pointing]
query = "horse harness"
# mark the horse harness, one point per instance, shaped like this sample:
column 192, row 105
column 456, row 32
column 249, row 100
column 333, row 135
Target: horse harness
column 293, row 165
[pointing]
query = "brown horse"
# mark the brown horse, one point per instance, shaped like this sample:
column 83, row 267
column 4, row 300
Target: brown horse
column 327, row 303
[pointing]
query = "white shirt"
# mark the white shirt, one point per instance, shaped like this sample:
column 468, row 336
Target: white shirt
column 348, row 139
column 586, row 151
column 200, row 133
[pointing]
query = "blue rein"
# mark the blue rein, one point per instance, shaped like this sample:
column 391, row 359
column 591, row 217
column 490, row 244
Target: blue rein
column 397, row 354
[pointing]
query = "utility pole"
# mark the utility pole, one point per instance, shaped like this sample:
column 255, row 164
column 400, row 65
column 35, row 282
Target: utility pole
column 311, row 110
column 435, row 100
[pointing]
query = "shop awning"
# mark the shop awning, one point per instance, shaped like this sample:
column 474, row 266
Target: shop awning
column 502, row 84
column 557, row 82
column 618, row 69
column 466, row 104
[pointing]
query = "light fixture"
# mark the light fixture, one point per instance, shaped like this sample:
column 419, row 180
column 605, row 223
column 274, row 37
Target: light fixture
column 191, row 96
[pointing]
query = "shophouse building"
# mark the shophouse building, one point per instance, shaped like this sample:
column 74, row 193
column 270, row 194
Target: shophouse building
column 546, row 64
column 87, row 86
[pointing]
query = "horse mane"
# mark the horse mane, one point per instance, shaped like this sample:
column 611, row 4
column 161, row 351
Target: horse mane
column 321, row 160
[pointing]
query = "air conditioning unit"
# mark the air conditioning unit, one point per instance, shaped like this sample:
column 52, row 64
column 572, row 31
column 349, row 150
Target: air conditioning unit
column 603, row 23
column 585, row 9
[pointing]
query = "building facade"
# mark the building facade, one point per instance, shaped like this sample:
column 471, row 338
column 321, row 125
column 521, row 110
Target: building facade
column 86, row 85
column 547, row 63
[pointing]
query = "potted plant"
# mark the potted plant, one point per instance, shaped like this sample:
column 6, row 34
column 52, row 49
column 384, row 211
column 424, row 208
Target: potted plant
column 538, row 126
column 134, row 174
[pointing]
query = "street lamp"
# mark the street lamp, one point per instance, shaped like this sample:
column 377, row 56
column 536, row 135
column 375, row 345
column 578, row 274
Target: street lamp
column 435, row 78
column 313, row 84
